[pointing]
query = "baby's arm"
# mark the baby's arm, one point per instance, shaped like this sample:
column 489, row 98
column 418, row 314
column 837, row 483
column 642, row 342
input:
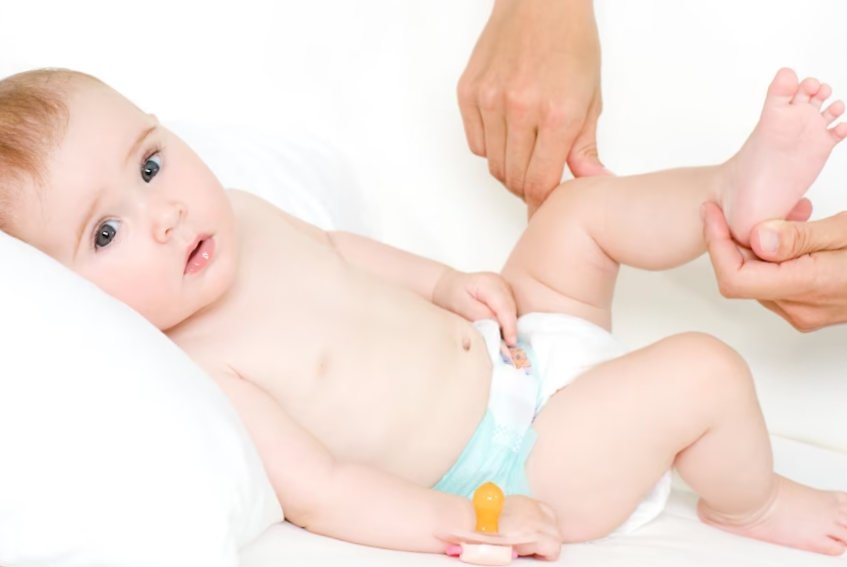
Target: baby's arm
column 346, row 501
column 416, row 273
column 472, row 296
column 413, row 272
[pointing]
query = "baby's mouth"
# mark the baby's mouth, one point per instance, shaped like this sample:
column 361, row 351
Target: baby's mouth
column 194, row 252
column 200, row 255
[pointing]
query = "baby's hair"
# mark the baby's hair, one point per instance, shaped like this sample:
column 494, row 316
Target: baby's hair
column 33, row 119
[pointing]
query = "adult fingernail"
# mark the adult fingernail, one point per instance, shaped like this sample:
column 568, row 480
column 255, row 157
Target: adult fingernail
column 769, row 239
column 514, row 554
column 453, row 550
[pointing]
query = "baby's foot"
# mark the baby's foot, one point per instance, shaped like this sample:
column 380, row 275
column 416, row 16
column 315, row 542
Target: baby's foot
column 799, row 516
column 784, row 154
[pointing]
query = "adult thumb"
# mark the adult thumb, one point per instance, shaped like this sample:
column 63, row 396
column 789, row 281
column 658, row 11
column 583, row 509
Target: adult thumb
column 778, row 241
column 583, row 160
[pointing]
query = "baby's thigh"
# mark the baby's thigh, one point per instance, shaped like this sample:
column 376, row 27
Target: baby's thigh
column 605, row 440
column 557, row 267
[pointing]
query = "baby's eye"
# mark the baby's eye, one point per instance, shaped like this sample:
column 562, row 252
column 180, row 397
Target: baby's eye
column 151, row 168
column 106, row 233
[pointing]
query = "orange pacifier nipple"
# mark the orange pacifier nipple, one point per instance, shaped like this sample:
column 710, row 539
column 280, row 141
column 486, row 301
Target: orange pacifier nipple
column 488, row 504
column 488, row 501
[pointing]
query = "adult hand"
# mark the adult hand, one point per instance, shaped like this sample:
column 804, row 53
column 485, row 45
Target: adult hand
column 800, row 272
column 530, row 95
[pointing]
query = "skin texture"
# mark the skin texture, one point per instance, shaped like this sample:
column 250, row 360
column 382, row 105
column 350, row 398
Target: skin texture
column 796, row 269
column 97, row 166
column 793, row 117
column 360, row 380
column 530, row 96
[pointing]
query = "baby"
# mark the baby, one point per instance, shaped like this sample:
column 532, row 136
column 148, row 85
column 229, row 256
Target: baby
column 377, row 406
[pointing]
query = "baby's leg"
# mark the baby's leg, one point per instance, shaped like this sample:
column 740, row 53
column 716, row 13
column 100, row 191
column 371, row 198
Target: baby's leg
column 687, row 401
column 567, row 260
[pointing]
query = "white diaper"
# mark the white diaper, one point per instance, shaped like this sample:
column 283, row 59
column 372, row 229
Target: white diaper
column 563, row 347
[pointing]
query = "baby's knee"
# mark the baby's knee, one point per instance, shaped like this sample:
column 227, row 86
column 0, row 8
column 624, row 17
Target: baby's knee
column 707, row 365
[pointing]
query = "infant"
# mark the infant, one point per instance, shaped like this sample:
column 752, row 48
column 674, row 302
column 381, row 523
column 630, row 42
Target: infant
column 375, row 383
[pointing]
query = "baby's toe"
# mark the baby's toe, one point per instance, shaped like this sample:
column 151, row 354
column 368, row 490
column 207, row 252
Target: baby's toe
column 839, row 131
column 808, row 88
column 833, row 111
column 823, row 93
column 841, row 507
column 784, row 85
column 831, row 546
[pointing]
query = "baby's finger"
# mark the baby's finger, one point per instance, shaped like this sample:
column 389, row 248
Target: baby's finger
column 523, row 538
column 503, row 305
column 477, row 310
column 509, row 324
column 546, row 548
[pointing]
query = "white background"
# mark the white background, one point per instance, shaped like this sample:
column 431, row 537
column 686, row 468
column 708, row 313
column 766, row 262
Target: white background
column 683, row 85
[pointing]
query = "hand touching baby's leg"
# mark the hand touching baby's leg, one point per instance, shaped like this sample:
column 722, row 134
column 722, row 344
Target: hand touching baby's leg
column 567, row 259
column 687, row 401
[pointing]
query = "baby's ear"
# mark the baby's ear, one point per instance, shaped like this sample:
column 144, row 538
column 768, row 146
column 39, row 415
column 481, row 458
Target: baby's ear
column 154, row 117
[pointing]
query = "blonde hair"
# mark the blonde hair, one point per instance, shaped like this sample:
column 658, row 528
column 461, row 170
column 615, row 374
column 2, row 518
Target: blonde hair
column 33, row 119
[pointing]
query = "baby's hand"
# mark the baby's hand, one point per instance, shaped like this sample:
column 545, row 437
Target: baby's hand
column 536, row 522
column 528, row 525
column 478, row 296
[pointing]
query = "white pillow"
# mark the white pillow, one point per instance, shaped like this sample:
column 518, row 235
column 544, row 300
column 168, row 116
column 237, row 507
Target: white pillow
column 117, row 450
column 299, row 173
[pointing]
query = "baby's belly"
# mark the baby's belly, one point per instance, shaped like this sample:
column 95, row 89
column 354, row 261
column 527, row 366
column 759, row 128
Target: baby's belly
column 411, row 404
column 403, row 393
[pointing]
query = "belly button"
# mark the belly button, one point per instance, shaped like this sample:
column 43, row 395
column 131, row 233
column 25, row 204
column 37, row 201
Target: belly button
column 466, row 343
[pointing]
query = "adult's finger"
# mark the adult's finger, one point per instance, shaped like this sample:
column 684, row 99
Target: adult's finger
column 778, row 308
column 778, row 241
column 494, row 130
column 724, row 253
column 583, row 159
column 521, row 133
column 744, row 278
column 802, row 316
column 471, row 117
column 556, row 134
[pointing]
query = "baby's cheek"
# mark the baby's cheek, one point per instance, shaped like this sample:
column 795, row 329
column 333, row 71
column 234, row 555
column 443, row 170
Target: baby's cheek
column 141, row 290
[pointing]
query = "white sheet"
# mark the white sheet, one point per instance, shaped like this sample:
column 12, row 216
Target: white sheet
column 677, row 538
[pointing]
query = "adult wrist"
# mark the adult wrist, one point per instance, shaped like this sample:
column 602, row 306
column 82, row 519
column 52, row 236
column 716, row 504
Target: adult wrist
column 577, row 8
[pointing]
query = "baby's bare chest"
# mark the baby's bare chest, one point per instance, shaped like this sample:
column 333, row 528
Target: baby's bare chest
column 353, row 359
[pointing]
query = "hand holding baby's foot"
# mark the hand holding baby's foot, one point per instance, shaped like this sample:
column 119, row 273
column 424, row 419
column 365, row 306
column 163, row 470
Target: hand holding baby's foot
column 798, row 516
column 784, row 154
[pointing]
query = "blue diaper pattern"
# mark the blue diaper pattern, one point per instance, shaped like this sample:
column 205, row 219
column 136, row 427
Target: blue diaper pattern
column 502, row 442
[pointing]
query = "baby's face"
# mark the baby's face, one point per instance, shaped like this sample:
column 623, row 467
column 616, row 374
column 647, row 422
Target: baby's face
column 130, row 207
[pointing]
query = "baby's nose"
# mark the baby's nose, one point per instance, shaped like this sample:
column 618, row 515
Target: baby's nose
column 166, row 219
